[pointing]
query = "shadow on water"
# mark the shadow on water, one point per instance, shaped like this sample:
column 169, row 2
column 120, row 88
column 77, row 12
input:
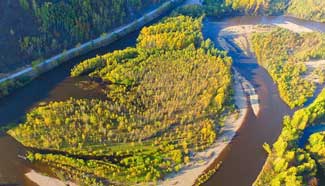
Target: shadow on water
column 308, row 132
column 303, row 142
column 243, row 159
column 318, row 90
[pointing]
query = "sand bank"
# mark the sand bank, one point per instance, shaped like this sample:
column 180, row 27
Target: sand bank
column 42, row 180
column 202, row 160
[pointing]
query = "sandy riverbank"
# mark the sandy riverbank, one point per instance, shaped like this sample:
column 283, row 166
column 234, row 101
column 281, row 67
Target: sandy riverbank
column 293, row 27
column 42, row 180
column 311, row 67
column 202, row 160
column 236, row 39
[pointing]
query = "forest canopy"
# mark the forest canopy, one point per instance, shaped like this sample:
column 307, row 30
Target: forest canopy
column 288, row 163
column 305, row 9
column 283, row 53
column 165, row 101
column 64, row 24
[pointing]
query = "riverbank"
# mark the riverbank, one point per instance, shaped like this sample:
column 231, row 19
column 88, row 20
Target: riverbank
column 24, row 76
column 311, row 67
column 239, row 38
column 236, row 39
column 203, row 160
column 42, row 180
column 292, row 133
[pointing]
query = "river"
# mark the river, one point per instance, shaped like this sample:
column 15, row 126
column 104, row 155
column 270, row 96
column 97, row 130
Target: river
column 53, row 85
column 242, row 159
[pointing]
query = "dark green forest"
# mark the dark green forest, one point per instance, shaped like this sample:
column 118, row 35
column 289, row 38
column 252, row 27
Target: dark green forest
column 64, row 24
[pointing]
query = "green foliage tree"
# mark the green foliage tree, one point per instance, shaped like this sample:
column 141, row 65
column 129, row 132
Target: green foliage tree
column 158, row 97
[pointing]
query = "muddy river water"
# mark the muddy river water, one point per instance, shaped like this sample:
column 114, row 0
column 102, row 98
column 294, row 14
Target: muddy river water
column 243, row 158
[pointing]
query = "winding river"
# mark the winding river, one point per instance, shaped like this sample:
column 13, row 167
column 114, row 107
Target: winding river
column 53, row 85
column 242, row 159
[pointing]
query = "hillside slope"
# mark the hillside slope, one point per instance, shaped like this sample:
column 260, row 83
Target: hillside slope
column 37, row 29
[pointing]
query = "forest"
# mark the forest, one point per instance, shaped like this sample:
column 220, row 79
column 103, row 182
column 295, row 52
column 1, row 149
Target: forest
column 287, row 163
column 34, row 30
column 64, row 24
column 166, row 99
column 283, row 53
column 309, row 9
column 316, row 148
column 305, row 9
column 247, row 7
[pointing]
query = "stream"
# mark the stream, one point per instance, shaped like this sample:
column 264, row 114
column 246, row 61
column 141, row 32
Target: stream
column 242, row 159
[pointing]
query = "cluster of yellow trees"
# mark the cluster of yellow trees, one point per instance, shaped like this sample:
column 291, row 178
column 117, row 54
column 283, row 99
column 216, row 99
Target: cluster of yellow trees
column 308, row 9
column 283, row 54
column 250, row 7
column 304, row 9
column 316, row 147
column 163, row 103
column 289, row 164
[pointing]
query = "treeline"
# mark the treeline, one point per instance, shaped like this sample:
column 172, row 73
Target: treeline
column 307, row 9
column 316, row 147
column 250, row 7
column 165, row 100
column 64, row 24
column 283, row 54
column 287, row 164
column 258, row 7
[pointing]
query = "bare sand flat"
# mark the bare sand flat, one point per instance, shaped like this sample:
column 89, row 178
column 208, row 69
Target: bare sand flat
column 311, row 66
column 42, row 180
column 202, row 160
column 293, row 27
column 249, row 90
column 237, row 37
